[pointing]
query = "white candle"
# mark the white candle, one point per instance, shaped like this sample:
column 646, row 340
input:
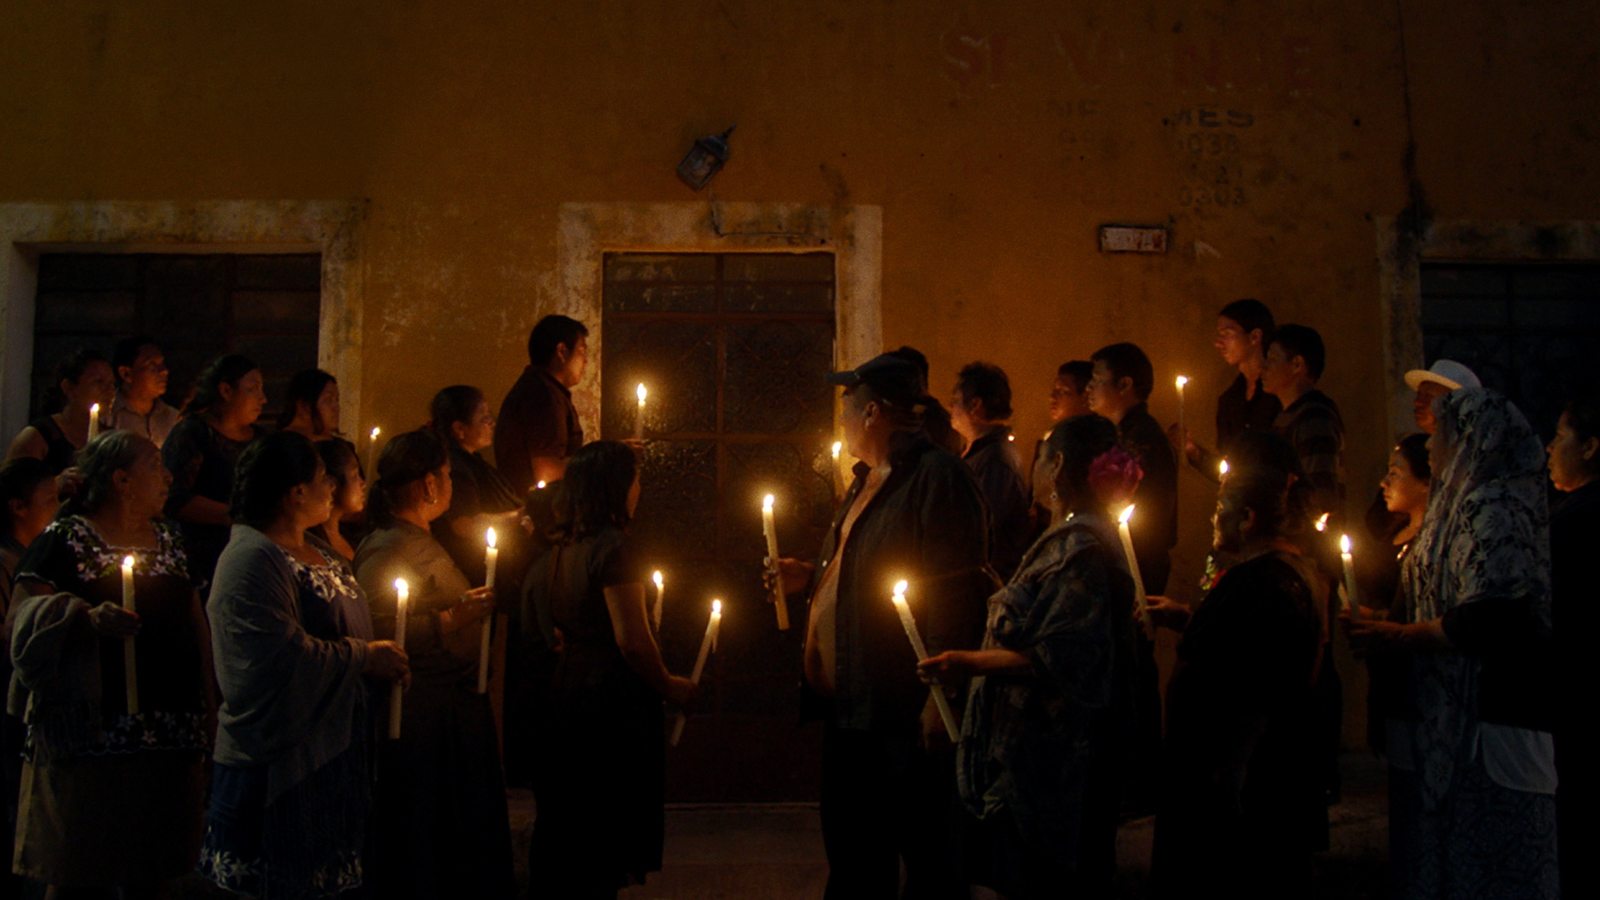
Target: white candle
column 130, row 669
column 779, row 603
column 1350, row 604
column 838, row 476
column 401, row 592
column 638, row 419
column 1222, row 468
column 94, row 421
column 490, row 555
column 917, row 647
column 661, row 588
column 706, row 643
column 1139, row 606
column 1183, row 436
column 372, row 454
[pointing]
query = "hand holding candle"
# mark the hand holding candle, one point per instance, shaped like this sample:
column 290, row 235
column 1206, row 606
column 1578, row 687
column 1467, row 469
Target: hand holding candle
column 1350, row 604
column 1139, row 602
column 490, row 556
column 638, row 419
column 779, row 601
column 661, row 588
column 130, row 669
column 706, row 643
column 917, row 647
column 401, row 591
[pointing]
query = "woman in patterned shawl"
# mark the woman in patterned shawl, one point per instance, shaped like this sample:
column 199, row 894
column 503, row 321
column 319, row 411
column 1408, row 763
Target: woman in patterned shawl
column 1473, row 811
column 1052, row 698
column 114, row 779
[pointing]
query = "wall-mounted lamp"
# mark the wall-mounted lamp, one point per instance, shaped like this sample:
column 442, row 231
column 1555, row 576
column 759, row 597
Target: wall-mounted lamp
column 704, row 159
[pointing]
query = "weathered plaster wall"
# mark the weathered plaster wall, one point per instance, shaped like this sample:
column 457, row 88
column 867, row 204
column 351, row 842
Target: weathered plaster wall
column 994, row 136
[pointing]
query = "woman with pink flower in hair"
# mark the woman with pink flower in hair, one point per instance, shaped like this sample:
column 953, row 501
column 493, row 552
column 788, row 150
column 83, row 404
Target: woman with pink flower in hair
column 1051, row 701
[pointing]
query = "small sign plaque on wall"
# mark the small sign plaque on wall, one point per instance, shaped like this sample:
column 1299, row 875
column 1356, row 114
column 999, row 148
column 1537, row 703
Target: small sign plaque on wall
column 1133, row 239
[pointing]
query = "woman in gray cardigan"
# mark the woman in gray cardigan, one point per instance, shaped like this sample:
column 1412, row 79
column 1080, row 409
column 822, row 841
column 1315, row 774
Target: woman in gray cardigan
column 297, row 666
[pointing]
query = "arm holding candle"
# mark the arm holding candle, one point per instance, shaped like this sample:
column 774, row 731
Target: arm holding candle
column 631, row 628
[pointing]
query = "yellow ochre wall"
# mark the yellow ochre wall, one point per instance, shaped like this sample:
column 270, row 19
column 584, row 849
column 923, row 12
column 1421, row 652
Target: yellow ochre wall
column 1270, row 137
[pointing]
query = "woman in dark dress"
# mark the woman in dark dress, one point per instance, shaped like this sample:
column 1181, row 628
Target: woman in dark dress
column 298, row 669
column 81, row 380
column 1574, row 577
column 1051, row 706
column 1241, row 807
column 443, row 827
column 201, row 452
column 481, row 498
column 600, row 811
column 1405, row 498
column 111, row 791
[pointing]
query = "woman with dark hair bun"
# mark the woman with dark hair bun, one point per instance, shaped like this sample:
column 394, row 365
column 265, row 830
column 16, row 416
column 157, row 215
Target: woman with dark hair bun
column 81, row 380
column 201, row 452
column 600, row 821
column 443, row 826
column 349, row 496
column 311, row 407
column 481, row 497
column 1051, row 704
column 114, row 778
column 298, row 668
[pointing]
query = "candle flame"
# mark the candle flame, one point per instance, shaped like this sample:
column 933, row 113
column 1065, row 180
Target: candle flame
column 1126, row 515
column 766, row 503
column 900, row 591
column 1222, row 467
column 1344, row 544
column 1182, row 380
column 94, row 409
column 716, row 608
column 401, row 588
column 489, row 536
column 658, row 580
column 837, row 446
column 1322, row 523
column 640, row 390
column 127, row 562
column 1011, row 437
column 541, row 485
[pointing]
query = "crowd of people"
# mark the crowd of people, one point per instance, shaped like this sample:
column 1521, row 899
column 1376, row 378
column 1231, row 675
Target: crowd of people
column 207, row 666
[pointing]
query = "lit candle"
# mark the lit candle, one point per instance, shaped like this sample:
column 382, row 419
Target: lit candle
column 1183, row 436
column 540, row 485
column 661, row 588
column 401, row 592
column 372, row 454
column 779, row 602
column 130, row 671
column 1222, row 468
column 1322, row 523
column 94, row 421
column 638, row 420
column 1139, row 607
column 490, row 555
column 706, row 643
column 917, row 647
column 1350, row 604
column 838, row 477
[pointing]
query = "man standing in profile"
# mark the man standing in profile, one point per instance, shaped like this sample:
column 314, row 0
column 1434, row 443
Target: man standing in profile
column 538, row 426
column 979, row 409
column 1244, row 329
column 1123, row 379
column 915, row 513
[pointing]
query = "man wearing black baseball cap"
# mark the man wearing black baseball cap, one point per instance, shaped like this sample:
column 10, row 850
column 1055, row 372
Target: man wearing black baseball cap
column 913, row 513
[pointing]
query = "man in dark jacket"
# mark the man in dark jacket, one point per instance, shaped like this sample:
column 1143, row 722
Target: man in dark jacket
column 539, row 427
column 979, row 409
column 914, row 513
column 1123, row 379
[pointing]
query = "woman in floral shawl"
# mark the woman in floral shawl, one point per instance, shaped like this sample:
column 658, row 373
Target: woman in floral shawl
column 1472, row 812
column 1052, row 699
